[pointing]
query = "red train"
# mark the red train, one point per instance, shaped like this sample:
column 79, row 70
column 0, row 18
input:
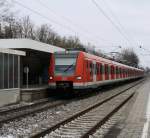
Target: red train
column 80, row 70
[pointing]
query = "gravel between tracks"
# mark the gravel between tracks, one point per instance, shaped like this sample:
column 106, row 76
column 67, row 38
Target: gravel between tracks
column 34, row 123
column 79, row 126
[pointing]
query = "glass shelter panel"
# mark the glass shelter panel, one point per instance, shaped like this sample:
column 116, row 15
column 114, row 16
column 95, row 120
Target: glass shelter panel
column 11, row 71
column 5, row 71
column 16, row 71
column 1, row 71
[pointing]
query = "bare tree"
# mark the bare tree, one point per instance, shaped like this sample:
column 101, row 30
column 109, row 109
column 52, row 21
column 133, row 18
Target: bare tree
column 42, row 33
column 4, row 10
column 129, row 57
column 45, row 34
column 73, row 42
column 27, row 28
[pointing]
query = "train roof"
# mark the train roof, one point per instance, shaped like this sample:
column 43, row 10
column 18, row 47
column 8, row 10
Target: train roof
column 108, row 61
column 104, row 60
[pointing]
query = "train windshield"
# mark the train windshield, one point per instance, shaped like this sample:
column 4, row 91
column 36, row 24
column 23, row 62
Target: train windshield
column 65, row 65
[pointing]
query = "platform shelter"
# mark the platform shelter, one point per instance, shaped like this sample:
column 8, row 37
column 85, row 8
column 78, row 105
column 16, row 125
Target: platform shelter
column 10, row 75
column 34, row 65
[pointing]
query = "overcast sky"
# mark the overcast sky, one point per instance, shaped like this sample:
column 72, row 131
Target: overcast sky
column 83, row 19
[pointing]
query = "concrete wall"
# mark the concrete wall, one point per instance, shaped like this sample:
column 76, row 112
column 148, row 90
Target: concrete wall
column 32, row 94
column 9, row 96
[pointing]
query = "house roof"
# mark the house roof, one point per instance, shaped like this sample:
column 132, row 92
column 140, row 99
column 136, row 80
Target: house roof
column 29, row 44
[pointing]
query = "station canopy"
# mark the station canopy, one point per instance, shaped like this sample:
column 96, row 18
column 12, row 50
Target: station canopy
column 29, row 44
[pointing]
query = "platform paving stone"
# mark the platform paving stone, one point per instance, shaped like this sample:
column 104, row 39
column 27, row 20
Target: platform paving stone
column 134, row 124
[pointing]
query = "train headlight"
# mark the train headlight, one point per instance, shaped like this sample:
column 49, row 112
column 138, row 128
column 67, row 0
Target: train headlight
column 79, row 78
column 50, row 77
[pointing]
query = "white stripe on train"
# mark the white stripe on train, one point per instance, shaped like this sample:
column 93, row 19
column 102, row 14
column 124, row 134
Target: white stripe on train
column 82, row 85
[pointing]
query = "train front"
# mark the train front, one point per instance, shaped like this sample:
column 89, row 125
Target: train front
column 64, row 71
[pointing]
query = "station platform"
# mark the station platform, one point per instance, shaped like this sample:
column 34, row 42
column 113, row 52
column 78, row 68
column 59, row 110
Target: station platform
column 137, row 124
column 33, row 93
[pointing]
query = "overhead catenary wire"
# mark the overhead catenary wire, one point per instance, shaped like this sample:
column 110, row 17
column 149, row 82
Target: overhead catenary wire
column 51, row 20
column 43, row 16
column 111, row 21
column 119, row 23
column 70, row 21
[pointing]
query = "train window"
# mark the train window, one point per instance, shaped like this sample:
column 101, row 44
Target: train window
column 127, row 73
column 120, row 72
column 124, row 72
column 97, row 68
column 91, row 68
column 109, row 69
column 117, row 70
column 101, row 69
column 106, row 69
column 87, row 66
column 112, row 70
column 65, row 65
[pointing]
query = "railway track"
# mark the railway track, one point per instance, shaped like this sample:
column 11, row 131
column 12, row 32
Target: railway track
column 9, row 113
column 16, row 113
column 7, row 109
column 84, row 123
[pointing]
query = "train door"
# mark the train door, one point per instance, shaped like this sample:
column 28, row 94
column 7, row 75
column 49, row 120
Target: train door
column 101, row 71
column 97, row 72
column 123, row 70
column 117, row 73
column 120, row 72
column 106, row 72
column 94, row 71
column 91, row 71
column 86, row 70
column 112, row 72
